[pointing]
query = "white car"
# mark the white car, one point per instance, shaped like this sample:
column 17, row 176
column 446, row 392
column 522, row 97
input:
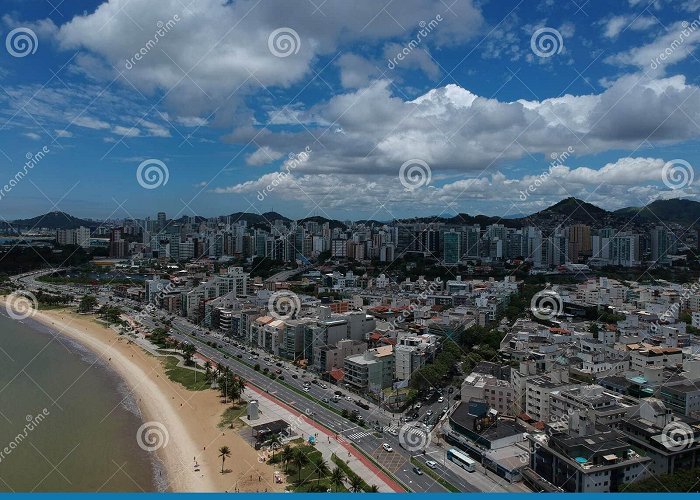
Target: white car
column 393, row 432
column 431, row 463
column 306, row 389
column 429, row 413
column 441, row 399
column 387, row 448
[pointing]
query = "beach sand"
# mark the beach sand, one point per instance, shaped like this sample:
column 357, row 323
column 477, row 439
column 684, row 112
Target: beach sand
column 189, row 417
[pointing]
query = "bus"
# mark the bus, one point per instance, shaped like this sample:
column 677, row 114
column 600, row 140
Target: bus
column 461, row 459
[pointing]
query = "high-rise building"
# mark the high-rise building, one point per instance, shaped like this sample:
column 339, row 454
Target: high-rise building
column 161, row 220
column 452, row 253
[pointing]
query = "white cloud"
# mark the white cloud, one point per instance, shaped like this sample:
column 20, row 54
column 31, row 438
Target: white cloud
column 126, row 131
column 63, row 133
column 32, row 135
column 223, row 46
column 263, row 156
column 615, row 25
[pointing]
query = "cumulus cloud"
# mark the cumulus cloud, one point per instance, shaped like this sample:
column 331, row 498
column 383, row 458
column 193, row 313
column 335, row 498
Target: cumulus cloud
column 218, row 49
column 630, row 181
column 613, row 26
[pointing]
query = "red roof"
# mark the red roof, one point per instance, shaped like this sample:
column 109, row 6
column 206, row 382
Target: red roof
column 337, row 374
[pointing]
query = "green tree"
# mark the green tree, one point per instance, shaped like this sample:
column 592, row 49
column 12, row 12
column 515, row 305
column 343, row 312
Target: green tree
column 300, row 459
column 224, row 453
column 287, row 456
column 356, row 483
column 87, row 304
column 321, row 468
column 337, row 477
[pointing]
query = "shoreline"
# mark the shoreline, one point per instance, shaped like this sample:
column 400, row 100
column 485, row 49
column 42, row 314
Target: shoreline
column 188, row 419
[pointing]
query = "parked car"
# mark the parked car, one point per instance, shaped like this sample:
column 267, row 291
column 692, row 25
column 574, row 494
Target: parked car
column 387, row 447
column 441, row 399
column 417, row 470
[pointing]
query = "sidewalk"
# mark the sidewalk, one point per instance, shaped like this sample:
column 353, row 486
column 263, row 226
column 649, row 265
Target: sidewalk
column 325, row 440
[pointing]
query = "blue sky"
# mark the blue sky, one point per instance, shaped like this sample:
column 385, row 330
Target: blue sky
column 483, row 114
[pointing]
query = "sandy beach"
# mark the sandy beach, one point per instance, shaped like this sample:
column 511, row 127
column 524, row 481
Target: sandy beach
column 189, row 418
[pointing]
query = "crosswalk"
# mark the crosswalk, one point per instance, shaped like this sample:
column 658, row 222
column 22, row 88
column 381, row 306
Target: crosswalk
column 359, row 435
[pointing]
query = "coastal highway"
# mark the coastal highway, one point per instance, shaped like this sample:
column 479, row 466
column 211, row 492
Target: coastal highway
column 366, row 439
column 316, row 401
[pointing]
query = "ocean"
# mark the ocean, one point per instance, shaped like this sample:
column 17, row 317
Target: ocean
column 67, row 421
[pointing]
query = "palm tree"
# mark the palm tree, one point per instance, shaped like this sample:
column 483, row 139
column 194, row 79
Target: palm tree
column 188, row 350
column 300, row 459
column 224, row 453
column 287, row 456
column 321, row 467
column 373, row 489
column 207, row 369
column 337, row 477
column 356, row 483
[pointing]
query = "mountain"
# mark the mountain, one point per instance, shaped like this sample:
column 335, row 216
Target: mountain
column 572, row 210
column 686, row 212
column 54, row 220
column 322, row 220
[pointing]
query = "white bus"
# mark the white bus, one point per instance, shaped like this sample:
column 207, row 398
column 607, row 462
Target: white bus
column 461, row 459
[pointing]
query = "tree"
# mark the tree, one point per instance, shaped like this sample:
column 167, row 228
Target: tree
column 321, row 467
column 287, row 456
column 87, row 304
column 224, row 453
column 188, row 350
column 300, row 459
column 356, row 483
column 337, row 477
column 373, row 489
column 207, row 369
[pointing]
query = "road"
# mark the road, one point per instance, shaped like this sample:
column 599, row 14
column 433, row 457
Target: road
column 315, row 399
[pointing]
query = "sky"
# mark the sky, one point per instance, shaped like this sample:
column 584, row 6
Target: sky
column 374, row 109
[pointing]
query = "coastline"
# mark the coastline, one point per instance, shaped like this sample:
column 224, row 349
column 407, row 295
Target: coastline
column 189, row 419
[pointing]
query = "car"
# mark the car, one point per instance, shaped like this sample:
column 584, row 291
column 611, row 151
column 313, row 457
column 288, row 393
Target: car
column 432, row 464
column 348, row 398
column 417, row 470
column 278, row 372
column 306, row 389
column 278, row 364
column 441, row 399
column 387, row 447
column 294, row 375
column 428, row 413
column 444, row 410
column 307, row 385
column 393, row 432
column 324, row 386
column 450, row 390
column 325, row 400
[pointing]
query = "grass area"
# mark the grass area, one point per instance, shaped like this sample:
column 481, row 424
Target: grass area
column 437, row 477
column 232, row 415
column 307, row 480
column 190, row 379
